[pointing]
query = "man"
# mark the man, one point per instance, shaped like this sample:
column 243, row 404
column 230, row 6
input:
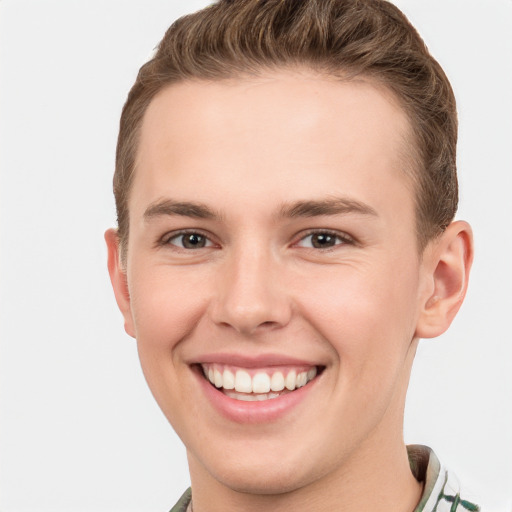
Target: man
column 285, row 186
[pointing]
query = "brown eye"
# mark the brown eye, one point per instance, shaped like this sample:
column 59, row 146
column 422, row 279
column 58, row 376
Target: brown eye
column 190, row 241
column 323, row 240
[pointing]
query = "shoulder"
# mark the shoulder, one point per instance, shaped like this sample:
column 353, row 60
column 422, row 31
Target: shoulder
column 183, row 502
column 442, row 490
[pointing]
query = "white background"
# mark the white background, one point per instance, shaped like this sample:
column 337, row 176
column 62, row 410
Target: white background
column 79, row 429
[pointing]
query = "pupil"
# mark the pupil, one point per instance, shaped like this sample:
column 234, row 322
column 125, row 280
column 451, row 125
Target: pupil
column 322, row 240
column 193, row 240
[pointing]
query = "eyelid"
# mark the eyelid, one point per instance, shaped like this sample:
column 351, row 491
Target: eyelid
column 345, row 238
column 165, row 239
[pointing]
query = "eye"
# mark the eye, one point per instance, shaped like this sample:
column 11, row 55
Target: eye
column 323, row 240
column 189, row 240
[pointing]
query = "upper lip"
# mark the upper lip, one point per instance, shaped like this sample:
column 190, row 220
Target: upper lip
column 256, row 361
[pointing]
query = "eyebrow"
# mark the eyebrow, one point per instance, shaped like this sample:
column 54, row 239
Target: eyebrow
column 310, row 208
column 334, row 206
column 181, row 208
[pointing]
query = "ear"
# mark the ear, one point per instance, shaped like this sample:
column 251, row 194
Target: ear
column 118, row 280
column 447, row 262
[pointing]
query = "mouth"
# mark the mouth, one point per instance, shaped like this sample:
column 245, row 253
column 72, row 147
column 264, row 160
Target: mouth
column 258, row 384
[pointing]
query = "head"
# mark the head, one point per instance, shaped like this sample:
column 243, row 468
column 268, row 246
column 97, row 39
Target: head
column 343, row 40
column 285, row 186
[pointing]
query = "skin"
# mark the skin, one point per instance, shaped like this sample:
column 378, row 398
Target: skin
column 248, row 149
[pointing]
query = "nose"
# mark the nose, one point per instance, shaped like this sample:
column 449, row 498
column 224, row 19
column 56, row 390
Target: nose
column 250, row 296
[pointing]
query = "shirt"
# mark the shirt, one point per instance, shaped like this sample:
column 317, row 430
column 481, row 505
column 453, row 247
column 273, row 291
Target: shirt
column 441, row 493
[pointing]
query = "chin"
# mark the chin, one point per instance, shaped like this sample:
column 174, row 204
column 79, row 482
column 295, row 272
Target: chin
column 264, row 475
column 269, row 483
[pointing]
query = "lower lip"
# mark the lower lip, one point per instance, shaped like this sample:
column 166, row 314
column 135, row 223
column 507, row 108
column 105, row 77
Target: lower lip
column 263, row 411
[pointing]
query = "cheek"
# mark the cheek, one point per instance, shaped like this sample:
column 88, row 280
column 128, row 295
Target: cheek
column 165, row 306
column 367, row 313
column 166, row 309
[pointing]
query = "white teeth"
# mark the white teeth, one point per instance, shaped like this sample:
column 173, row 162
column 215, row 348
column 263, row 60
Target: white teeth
column 277, row 382
column 245, row 397
column 302, row 378
column 229, row 380
column 218, row 378
column 291, row 380
column 243, row 382
column 261, row 383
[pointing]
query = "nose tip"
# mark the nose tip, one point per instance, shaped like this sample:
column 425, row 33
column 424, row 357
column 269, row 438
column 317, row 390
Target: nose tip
column 250, row 298
column 249, row 320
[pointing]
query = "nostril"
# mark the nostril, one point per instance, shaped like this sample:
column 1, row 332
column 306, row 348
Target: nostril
column 269, row 324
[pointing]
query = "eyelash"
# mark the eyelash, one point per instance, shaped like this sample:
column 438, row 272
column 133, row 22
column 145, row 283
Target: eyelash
column 342, row 239
column 166, row 239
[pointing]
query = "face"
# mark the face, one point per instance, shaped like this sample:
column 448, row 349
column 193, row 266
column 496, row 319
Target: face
column 273, row 274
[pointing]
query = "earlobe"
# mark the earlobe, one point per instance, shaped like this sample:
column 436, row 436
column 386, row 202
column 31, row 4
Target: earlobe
column 118, row 280
column 448, row 262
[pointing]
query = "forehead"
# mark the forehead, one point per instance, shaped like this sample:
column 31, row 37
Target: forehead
column 288, row 131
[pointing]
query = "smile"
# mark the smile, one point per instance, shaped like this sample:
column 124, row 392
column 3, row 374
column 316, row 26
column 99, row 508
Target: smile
column 257, row 384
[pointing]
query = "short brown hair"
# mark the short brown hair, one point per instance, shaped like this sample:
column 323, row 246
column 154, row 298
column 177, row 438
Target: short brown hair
column 338, row 38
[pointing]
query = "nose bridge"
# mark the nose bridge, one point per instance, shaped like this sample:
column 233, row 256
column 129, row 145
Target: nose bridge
column 249, row 295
